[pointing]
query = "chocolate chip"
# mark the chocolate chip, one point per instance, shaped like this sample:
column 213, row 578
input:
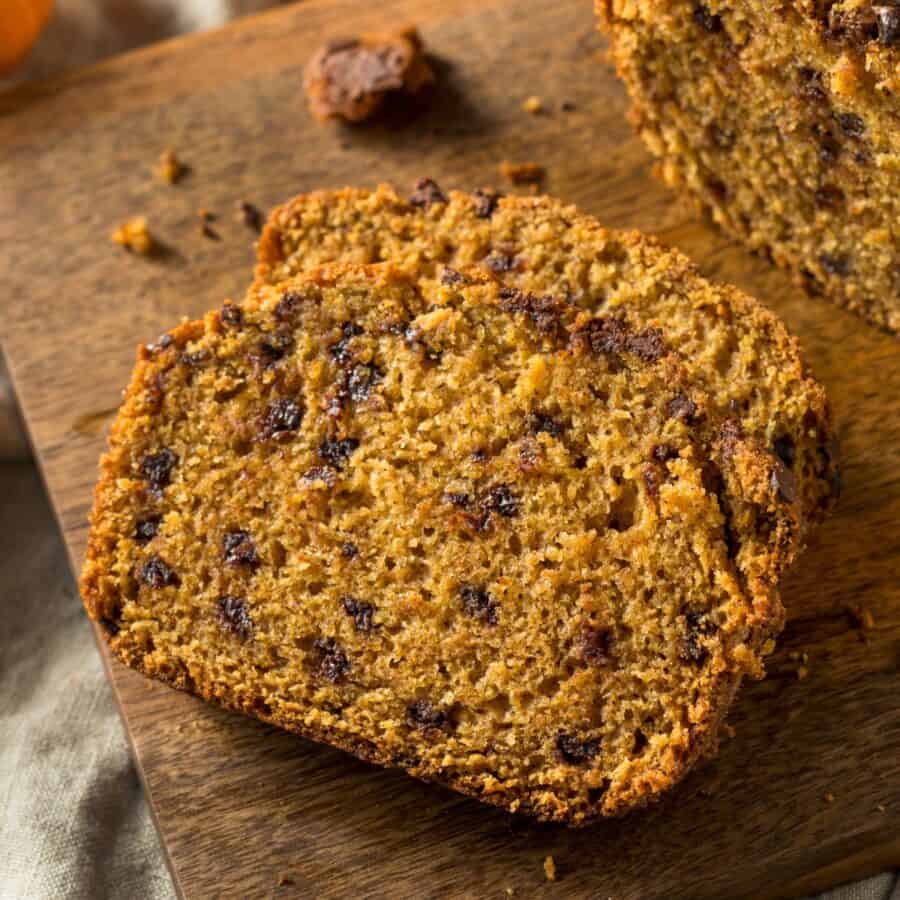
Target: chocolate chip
column 361, row 381
column 253, row 218
column 112, row 628
column 485, row 203
column 696, row 627
column 280, row 419
column 477, row 603
column 424, row 717
column 231, row 314
column 337, row 452
column 662, row 453
column 324, row 474
column 602, row 335
column 500, row 262
column 542, row 423
column 426, row 193
column 479, row 455
column 194, row 360
column 887, row 18
column 340, row 351
column 852, row 125
column 451, row 276
column 783, row 482
column 459, row 499
column 362, row 613
column 333, row 662
column 413, row 337
column 835, row 264
column 786, row 450
column 287, row 306
column 682, row 408
column 828, row 196
column 271, row 350
column 234, row 616
column 349, row 550
column 238, row 549
column 707, row 20
column 653, row 478
column 157, row 468
column 543, row 311
column 502, row 500
column 730, row 435
column 147, row 529
column 157, row 573
column 596, row 645
column 575, row 751
column 646, row 345
column 811, row 85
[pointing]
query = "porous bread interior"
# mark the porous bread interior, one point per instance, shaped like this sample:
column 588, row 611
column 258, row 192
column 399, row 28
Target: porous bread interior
column 565, row 647
column 785, row 125
column 734, row 348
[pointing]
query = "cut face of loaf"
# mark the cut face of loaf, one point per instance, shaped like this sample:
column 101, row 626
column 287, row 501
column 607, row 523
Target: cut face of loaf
column 783, row 121
column 442, row 524
column 734, row 349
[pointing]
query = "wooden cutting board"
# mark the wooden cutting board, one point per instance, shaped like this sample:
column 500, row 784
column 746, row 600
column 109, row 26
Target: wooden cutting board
column 807, row 792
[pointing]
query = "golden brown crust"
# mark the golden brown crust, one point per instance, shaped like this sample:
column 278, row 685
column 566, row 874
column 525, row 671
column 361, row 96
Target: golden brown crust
column 216, row 560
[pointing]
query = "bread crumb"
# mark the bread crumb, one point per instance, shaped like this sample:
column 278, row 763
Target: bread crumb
column 862, row 618
column 134, row 235
column 169, row 168
column 550, row 868
column 521, row 173
column 206, row 229
column 829, row 797
column 251, row 216
column 533, row 105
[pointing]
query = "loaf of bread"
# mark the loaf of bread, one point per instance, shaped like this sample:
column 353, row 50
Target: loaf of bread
column 735, row 349
column 453, row 525
column 781, row 120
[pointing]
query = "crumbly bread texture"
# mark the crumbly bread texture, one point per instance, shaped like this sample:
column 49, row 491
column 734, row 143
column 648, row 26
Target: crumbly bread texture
column 353, row 79
column 783, row 121
column 737, row 351
column 440, row 523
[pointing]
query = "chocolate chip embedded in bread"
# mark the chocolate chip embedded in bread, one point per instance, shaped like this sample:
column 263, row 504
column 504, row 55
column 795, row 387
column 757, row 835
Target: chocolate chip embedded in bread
column 684, row 409
column 333, row 663
column 783, row 481
column 477, row 603
column 574, row 750
column 231, row 314
column 887, row 17
column 147, row 529
column 362, row 613
column 595, row 644
column 157, row 573
column 502, row 500
column 696, row 627
column 337, row 452
column 423, row 716
column 485, row 203
column 234, row 616
column 707, row 20
column 238, row 549
column 157, row 468
column 280, row 419
column 426, row 194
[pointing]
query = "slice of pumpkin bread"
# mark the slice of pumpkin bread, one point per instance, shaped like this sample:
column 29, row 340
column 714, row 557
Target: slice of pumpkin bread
column 443, row 524
column 782, row 120
column 735, row 349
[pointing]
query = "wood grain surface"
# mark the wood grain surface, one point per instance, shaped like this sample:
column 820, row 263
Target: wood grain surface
column 246, row 811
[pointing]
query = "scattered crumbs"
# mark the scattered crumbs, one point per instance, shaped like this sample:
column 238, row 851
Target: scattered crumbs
column 550, row 868
column 862, row 618
column 829, row 797
column 881, row 808
column 134, row 235
column 521, row 173
column 284, row 880
column 251, row 215
column 533, row 105
column 568, row 106
column 169, row 168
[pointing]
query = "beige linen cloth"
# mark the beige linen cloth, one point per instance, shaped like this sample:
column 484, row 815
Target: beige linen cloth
column 73, row 819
